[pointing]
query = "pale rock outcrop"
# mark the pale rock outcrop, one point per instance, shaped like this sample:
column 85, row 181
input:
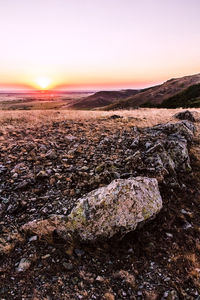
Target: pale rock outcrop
column 114, row 209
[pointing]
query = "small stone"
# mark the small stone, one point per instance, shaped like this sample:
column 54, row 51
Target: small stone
column 33, row 238
column 151, row 295
column 187, row 115
column 167, row 279
column 51, row 154
column 100, row 279
column 68, row 266
column 109, row 296
column 183, row 211
column 45, row 256
column 130, row 250
column 126, row 277
column 165, row 294
column 22, row 184
column 187, row 225
column 5, row 200
column 70, row 138
column 75, row 280
column 172, row 295
column 169, row 234
column 100, row 168
column 79, row 252
column 24, row 265
column 115, row 117
column 84, row 168
column 41, row 174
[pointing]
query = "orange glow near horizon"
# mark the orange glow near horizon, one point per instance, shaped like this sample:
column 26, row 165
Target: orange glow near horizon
column 75, row 83
column 43, row 83
column 138, row 44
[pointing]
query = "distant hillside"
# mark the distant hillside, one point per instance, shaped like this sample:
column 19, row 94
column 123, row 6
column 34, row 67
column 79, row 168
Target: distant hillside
column 103, row 98
column 156, row 95
column 190, row 97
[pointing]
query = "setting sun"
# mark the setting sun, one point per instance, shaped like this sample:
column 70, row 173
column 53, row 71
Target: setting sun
column 43, row 83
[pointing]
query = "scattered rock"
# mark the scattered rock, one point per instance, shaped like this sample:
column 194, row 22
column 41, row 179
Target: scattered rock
column 42, row 174
column 44, row 228
column 109, row 296
column 172, row 295
column 33, row 238
column 100, row 279
column 70, row 138
column 24, row 265
column 51, row 154
column 9, row 241
column 126, row 276
column 151, row 295
column 68, row 266
column 79, row 252
column 113, row 117
column 73, row 168
column 2, row 169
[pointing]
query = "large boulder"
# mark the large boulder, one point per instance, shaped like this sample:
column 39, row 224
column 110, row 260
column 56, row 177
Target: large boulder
column 192, row 116
column 114, row 209
column 162, row 151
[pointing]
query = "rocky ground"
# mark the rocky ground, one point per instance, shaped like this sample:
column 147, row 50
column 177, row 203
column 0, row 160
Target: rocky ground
column 45, row 168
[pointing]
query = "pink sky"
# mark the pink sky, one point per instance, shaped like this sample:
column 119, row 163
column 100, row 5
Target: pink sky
column 97, row 43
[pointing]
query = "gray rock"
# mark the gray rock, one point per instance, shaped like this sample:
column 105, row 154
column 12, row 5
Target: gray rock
column 114, row 209
column 192, row 116
column 115, row 117
column 163, row 150
column 24, row 265
column 79, row 252
column 2, row 169
column 68, row 266
column 51, row 154
column 70, row 138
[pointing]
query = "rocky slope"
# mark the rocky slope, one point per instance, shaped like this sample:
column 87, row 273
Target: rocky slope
column 46, row 169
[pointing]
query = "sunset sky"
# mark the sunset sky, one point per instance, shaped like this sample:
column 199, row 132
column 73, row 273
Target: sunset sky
column 96, row 44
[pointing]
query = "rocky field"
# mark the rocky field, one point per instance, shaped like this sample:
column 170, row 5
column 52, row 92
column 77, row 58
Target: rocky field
column 49, row 161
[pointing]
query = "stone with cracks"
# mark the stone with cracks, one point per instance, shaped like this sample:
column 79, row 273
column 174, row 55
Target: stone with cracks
column 114, row 209
column 162, row 151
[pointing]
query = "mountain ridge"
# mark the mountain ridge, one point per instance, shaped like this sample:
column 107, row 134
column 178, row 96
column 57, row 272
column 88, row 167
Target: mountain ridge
column 133, row 98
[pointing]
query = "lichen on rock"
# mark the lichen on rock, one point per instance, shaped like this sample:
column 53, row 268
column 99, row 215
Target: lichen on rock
column 114, row 209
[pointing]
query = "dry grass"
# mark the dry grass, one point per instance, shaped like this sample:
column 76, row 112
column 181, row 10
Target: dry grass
column 140, row 117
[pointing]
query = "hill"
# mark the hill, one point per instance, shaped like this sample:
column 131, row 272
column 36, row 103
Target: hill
column 103, row 98
column 190, row 97
column 156, row 95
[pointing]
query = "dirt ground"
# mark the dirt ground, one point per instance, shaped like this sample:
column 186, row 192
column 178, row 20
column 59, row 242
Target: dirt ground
column 48, row 160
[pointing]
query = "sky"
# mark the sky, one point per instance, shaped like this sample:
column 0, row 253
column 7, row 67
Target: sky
column 97, row 44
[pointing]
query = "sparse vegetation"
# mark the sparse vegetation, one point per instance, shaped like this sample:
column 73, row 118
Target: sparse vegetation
column 190, row 97
column 139, row 117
